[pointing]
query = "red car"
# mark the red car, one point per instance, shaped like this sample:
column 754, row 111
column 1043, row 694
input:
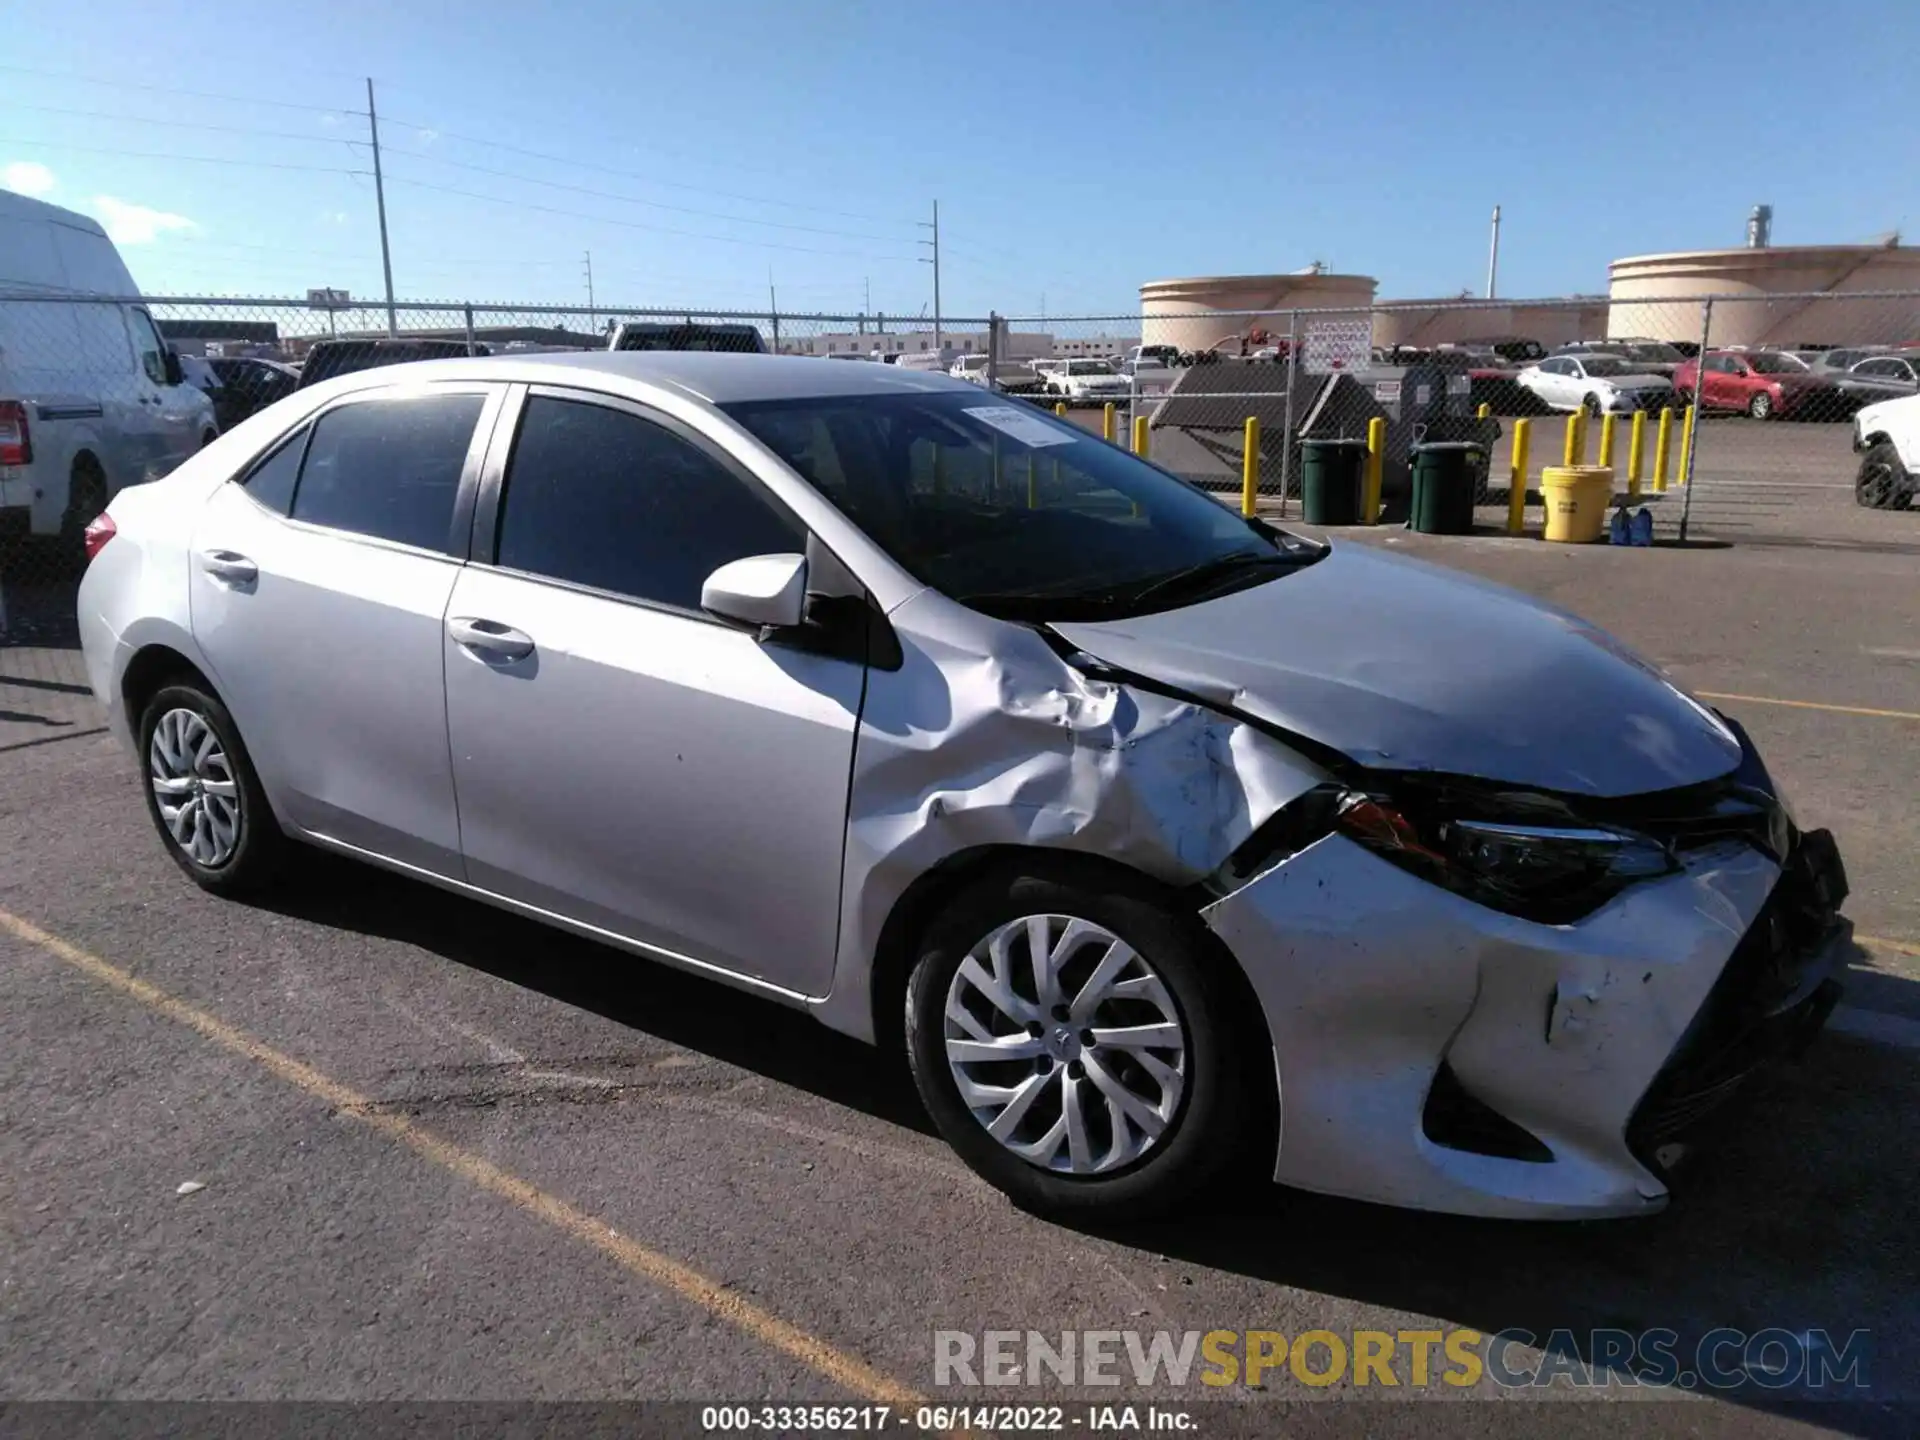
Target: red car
column 1763, row 383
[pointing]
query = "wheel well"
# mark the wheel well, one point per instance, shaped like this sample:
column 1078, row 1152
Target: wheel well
column 87, row 460
column 1879, row 437
column 152, row 667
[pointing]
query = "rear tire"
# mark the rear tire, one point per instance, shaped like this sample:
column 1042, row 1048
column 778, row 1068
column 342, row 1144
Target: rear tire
column 203, row 794
column 1883, row 482
column 86, row 498
column 1760, row 407
column 1199, row 1096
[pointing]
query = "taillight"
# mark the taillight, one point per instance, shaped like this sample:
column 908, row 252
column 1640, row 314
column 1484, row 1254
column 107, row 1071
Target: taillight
column 16, row 445
column 99, row 530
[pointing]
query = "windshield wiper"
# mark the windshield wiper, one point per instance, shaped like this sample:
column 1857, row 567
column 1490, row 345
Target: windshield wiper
column 1198, row 579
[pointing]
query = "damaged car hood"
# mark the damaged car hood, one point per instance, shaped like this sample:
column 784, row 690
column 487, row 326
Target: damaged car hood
column 1401, row 665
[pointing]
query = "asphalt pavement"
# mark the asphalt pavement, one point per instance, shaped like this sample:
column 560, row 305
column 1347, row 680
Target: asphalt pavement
column 447, row 1154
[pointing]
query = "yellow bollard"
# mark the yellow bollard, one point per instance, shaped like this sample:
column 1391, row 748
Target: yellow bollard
column 1060, row 408
column 1606, row 440
column 1140, row 436
column 1107, row 423
column 1570, row 446
column 1517, row 479
column 1485, row 412
column 1376, row 460
column 1636, row 452
column 1686, row 446
column 1250, row 468
column 1662, row 443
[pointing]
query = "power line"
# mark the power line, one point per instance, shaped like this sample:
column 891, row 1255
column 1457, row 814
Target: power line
column 118, row 83
column 193, row 125
column 192, row 159
column 643, row 179
column 635, row 200
column 637, row 225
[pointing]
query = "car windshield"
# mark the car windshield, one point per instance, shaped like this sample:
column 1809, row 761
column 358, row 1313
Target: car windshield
column 1773, row 362
column 1089, row 367
column 1604, row 365
column 1013, row 512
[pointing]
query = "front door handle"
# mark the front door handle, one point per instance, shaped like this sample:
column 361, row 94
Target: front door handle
column 490, row 638
column 230, row 566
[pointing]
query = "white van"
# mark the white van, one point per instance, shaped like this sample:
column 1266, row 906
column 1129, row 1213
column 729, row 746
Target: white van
column 91, row 398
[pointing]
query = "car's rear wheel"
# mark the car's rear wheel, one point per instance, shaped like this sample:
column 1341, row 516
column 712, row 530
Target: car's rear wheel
column 203, row 793
column 86, row 498
column 1080, row 1046
column 1883, row 482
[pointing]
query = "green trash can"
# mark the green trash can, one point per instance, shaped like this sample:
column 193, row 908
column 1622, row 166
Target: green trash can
column 1330, row 472
column 1445, row 476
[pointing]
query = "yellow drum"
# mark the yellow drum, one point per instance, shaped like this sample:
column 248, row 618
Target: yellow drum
column 1577, row 497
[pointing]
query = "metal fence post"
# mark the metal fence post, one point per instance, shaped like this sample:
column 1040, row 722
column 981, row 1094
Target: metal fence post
column 1692, row 460
column 469, row 313
column 995, row 329
column 1286, row 429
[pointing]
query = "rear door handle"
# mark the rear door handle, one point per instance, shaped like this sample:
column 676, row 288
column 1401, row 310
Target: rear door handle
column 490, row 638
column 230, row 566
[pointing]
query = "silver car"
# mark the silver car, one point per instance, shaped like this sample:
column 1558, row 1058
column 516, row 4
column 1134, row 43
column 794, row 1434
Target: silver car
column 1163, row 841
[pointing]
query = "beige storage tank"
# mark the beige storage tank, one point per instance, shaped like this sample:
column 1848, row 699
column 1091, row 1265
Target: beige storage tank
column 1184, row 312
column 1652, row 295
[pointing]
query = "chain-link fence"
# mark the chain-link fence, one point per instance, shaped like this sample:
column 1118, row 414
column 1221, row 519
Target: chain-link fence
column 96, row 395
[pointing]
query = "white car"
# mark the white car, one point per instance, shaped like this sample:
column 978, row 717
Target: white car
column 1886, row 437
column 1596, row 383
column 1149, row 376
column 91, row 398
column 1088, row 380
column 971, row 368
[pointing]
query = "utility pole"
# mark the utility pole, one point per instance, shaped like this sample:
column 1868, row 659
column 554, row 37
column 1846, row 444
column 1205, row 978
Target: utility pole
column 773, row 311
column 380, row 199
column 1493, row 254
column 593, row 317
column 866, row 301
column 938, row 343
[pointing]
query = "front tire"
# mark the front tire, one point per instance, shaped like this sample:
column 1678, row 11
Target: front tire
column 1883, row 482
column 1080, row 1045
column 1594, row 406
column 203, row 795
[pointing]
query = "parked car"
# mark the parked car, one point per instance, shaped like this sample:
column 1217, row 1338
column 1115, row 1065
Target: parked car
column 971, row 368
column 1596, row 382
column 1122, row 816
column 1168, row 355
column 739, row 339
column 1516, row 350
column 1150, row 376
column 1766, row 384
column 249, row 385
column 91, row 398
column 327, row 359
column 1881, row 377
column 1886, row 437
column 1087, row 380
column 1842, row 358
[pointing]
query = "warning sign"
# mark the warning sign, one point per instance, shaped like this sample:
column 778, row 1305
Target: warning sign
column 1339, row 347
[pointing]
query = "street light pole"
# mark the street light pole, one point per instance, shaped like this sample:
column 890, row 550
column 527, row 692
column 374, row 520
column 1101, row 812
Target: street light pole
column 938, row 343
column 380, row 200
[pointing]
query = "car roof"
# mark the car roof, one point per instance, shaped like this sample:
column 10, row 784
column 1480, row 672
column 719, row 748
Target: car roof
column 717, row 377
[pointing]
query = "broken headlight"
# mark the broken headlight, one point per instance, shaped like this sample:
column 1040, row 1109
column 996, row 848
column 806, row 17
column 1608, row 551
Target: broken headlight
column 1551, row 873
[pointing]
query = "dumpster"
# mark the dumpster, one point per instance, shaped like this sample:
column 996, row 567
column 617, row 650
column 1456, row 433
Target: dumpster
column 1330, row 480
column 1577, row 497
column 1446, row 474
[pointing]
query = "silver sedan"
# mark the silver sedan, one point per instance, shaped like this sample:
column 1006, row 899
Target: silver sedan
column 1166, row 843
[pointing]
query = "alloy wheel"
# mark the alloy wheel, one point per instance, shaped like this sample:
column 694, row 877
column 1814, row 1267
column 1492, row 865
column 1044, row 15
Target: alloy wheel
column 1760, row 406
column 195, row 788
column 1065, row 1044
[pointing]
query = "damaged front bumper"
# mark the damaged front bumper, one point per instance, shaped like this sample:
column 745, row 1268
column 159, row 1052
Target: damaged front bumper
column 1437, row 1054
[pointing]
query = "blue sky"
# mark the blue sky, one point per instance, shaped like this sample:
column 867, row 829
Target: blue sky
column 1075, row 150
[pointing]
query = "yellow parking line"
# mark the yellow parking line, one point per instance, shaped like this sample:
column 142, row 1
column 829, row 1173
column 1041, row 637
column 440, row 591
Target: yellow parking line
column 847, row 1371
column 1875, row 942
column 1811, row 705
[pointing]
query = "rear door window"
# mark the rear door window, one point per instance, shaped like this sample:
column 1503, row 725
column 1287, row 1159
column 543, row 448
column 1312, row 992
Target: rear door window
column 389, row 468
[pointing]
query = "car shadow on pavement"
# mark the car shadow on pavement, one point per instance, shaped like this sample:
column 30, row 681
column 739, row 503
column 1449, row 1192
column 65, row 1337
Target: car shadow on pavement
column 784, row 1045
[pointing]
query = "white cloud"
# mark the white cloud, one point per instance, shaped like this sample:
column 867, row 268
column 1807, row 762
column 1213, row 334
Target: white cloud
column 27, row 177
column 329, row 121
column 334, row 217
column 427, row 137
column 130, row 224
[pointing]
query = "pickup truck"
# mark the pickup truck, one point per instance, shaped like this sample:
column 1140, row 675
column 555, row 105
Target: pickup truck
column 1886, row 437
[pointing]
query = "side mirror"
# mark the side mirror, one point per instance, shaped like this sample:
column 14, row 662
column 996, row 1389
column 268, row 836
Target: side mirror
column 170, row 360
column 759, row 590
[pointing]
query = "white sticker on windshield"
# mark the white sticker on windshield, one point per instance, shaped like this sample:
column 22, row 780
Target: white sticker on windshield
column 1030, row 430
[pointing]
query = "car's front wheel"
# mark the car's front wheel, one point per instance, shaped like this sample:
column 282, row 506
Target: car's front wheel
column 1594, row 405
column 1883, row 482
column 1081, row 1046
column 203, row 794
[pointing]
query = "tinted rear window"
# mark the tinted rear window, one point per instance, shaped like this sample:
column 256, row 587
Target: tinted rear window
column 388, row 468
